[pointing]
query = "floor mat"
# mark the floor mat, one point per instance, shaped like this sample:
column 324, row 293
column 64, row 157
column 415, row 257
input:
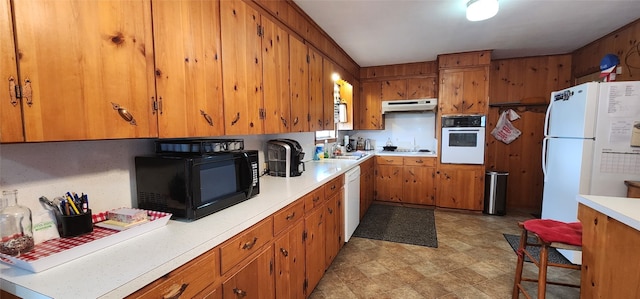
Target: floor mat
column 554, row 255
column 399, row 224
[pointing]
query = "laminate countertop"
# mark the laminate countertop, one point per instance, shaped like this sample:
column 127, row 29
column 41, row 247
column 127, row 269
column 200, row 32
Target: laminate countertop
column 623, row 209
column 123, row 268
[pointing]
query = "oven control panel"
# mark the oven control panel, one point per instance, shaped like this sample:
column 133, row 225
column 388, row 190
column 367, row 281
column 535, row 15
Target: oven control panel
column 464, row 121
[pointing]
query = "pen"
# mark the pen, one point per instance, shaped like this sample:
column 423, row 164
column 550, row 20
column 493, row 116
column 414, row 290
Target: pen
column 73, row 205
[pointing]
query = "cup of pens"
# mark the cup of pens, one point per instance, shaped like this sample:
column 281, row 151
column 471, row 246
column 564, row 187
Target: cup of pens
column 75, row 218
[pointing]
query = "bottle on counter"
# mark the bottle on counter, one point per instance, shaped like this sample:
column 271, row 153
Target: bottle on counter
column 16, row 235
column 326, row 149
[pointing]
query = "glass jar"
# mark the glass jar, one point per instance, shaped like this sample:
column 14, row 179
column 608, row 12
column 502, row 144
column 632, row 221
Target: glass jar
column 16, row 236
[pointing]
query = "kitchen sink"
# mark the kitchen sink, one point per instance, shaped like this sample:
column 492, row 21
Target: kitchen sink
column 350, row 156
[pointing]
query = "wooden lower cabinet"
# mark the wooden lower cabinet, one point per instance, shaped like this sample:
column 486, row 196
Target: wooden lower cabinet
column 405, row 179
column 254, row 280
column 461, row 187
column 314, row 223
column 194, row 279
column 289, row 263
column 367, row 181
column 609, row 256
column 334, row 226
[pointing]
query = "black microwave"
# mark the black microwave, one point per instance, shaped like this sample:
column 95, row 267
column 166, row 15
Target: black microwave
column 193, row 186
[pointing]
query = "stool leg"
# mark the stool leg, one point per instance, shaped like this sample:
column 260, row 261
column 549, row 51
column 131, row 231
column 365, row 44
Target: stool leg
column 542, row 272
column 519, row 265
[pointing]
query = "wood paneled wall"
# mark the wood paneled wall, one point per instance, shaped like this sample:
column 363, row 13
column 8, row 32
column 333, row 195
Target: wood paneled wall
column 624, row 42
column 427, row 69
column 519, row 80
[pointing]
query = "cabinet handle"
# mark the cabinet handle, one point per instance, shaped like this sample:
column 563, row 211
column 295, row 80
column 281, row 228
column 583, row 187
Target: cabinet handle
column 124, row 113
column 295, row 121
column 28, row 93
column 284, row 121
column 333, row 187
column 235, row 120
column 330, row 210
column 250, row 245
column 207, row 117
column 316, row 199
column 419, row 161
column 291, row 216
column 13, row 90
column 239, row 292
column 284, row 252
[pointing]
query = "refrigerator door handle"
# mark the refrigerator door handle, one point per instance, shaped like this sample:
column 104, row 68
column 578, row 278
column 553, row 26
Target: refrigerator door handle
column 546, row 118
column 545, row 140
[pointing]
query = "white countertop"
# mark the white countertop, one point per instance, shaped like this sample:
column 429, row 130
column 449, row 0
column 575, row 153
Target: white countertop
column 121, row 269
column 623, row 209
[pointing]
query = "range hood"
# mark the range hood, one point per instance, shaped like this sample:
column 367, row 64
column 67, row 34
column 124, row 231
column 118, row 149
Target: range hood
column 409, row 105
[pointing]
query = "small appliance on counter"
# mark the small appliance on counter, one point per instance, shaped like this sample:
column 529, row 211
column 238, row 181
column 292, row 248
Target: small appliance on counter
column 193, row 178
column 284, row 158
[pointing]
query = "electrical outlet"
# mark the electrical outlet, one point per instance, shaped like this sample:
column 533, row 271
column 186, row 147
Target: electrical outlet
column 619, row 70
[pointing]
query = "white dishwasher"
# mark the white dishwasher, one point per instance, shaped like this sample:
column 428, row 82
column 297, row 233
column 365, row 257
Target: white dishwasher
column 351, row 202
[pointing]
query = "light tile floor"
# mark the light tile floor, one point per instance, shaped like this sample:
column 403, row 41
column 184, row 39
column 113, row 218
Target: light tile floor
column 473, row 260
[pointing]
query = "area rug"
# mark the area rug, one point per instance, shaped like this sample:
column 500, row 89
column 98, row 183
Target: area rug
column 399, row 224
column 554, row 255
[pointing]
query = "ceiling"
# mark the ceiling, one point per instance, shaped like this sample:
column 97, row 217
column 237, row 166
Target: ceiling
column 383, row 32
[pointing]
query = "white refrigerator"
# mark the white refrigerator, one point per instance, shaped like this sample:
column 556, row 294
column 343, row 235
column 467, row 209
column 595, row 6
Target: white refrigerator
column 591, row 146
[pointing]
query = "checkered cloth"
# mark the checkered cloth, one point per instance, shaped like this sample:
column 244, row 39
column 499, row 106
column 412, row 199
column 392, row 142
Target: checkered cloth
column 54, row 246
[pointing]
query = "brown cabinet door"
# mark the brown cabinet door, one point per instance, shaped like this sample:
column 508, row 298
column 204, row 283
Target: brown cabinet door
column 461, row 187
column 188, row 68
column 394, row 89
column 464, row 91
column 86, row 69
column 10, row 108
column 316, row 97
column 418, row 187
column 254, row 280
column 275, row 57
column 242, row 68
column 370, row 108
column 388, row 183
column 421, row 88
column 315, row 247
column 289, row 263
column 299, row 86
column 334, row 229
column 328, row 68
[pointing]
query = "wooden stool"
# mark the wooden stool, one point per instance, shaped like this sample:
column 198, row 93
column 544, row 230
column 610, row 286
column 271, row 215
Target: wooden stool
column 548, row 234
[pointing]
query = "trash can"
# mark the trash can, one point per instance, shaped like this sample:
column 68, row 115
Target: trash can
column 495, row 192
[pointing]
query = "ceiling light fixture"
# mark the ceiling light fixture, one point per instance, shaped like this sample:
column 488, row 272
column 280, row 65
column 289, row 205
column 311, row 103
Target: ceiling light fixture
column 479, row 10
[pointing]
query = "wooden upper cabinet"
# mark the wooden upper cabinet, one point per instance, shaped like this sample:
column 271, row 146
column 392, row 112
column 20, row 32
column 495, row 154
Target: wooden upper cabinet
column 316, row 104
column 370, row 108
column 10, row 107
column 421, row 88
column 394, row 89
column 299, row 85
column 464, row 90
column 242, row 68
column 86, row 69
column 275, row 69
column 188, row 68
column 328, row 68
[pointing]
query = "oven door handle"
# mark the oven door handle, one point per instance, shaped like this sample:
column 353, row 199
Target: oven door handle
column 250, row 169
column 461, row 130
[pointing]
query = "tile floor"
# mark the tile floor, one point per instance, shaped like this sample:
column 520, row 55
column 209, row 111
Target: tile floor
column 473, row 260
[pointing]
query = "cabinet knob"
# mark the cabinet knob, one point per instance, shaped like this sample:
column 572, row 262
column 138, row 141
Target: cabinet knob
column 239, row 292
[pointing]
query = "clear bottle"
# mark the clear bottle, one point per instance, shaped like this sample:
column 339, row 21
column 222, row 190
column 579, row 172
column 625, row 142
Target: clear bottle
column 16, row 235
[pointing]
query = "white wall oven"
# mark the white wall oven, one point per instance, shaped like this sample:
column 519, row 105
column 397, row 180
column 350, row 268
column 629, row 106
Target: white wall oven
column 463, row 139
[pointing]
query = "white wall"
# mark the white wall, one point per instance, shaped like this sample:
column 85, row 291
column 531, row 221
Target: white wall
column 102, row 169
column 402, row 129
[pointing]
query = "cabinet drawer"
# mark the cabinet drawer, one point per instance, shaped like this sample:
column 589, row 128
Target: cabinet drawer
column 388, row 160
column 313, row 199
column 185, row 282
column 333, row 186
column 245, row 243
column 420, row 161
column 287, row 216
